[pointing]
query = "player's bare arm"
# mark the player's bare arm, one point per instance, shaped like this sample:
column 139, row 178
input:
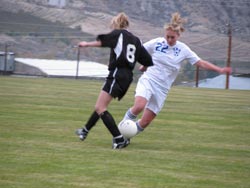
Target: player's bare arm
column 90, row 44
column 209, row 66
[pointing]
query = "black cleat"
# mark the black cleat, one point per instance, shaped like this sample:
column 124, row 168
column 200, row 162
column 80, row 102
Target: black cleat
column 82, row 133
column 120, row 144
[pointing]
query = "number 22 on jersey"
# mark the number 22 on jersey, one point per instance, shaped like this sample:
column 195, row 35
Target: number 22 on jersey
column 161, row 47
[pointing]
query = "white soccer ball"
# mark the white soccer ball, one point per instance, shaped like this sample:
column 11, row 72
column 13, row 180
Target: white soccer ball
column 127, row 128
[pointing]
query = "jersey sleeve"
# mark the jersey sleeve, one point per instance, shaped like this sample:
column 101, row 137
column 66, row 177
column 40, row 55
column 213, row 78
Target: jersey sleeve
column 109, row 40
column 145, row 58
column 191, row 56
column 150, row 45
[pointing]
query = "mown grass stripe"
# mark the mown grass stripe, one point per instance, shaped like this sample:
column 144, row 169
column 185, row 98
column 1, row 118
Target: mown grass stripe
column 199, row 140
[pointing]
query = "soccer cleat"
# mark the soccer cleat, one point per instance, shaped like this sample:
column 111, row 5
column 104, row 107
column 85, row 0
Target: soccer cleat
column 120, row 144
column 82, row 133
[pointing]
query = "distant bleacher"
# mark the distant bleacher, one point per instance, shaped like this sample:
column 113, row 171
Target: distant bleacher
column 59, row 68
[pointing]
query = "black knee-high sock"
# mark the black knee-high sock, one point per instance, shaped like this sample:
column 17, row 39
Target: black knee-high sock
column 109, row 122
column 92, row 121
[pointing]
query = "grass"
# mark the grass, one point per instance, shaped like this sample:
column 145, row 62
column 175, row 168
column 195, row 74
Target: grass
column 201, row 138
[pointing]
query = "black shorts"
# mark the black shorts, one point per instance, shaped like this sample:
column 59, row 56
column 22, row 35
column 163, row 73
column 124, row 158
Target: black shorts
column 117, row 85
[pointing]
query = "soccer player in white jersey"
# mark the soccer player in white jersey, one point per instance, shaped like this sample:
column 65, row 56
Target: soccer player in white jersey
column 126, row 50
column 153, row 86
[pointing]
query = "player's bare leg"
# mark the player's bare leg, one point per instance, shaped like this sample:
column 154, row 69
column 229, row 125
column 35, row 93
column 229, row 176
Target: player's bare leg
column 139, row 105
column 146, row 119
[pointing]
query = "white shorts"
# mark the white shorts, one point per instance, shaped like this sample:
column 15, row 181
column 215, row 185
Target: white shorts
column 152, row 92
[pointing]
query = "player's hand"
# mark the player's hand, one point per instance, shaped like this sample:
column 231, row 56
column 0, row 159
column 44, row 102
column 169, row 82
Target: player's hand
column 143, row 68
column 226, row 70
column 83, row 44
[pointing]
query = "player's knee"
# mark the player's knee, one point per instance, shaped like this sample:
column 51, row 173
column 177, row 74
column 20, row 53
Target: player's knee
column 99, row 109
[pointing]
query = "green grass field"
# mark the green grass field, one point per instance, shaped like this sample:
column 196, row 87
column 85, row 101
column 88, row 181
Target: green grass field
column 201, row 139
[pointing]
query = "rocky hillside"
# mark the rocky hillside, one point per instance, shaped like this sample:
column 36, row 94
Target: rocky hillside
column 38, row 29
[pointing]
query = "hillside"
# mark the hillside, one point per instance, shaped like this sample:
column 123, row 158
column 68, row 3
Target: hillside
column 50, row 32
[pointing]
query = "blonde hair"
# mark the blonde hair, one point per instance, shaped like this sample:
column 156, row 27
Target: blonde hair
column 120, row 21
column 176, row 23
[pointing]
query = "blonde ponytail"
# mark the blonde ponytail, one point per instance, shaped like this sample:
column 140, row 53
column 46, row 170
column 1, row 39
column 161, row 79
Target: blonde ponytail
column 120, row 21
column 176, row 23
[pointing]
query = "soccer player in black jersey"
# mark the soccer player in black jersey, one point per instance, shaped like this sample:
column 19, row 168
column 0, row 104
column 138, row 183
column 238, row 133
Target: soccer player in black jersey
column 126, row 50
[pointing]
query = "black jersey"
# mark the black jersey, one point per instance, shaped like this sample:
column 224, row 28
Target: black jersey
column 126, row 50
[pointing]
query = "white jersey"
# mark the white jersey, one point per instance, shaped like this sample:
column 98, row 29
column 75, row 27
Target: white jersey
column 167, row 61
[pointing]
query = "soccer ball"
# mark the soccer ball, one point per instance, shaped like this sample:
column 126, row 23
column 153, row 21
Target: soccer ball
column 127, row 128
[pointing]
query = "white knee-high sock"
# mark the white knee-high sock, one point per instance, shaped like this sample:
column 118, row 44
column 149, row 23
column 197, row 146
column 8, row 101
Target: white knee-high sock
column 129, row 115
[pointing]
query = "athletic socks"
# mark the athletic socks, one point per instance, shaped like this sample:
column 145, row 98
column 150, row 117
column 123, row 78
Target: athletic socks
column 129, row 115
column 139, row 128
column 92, row 121
column 109, row 122
column 119, row 139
